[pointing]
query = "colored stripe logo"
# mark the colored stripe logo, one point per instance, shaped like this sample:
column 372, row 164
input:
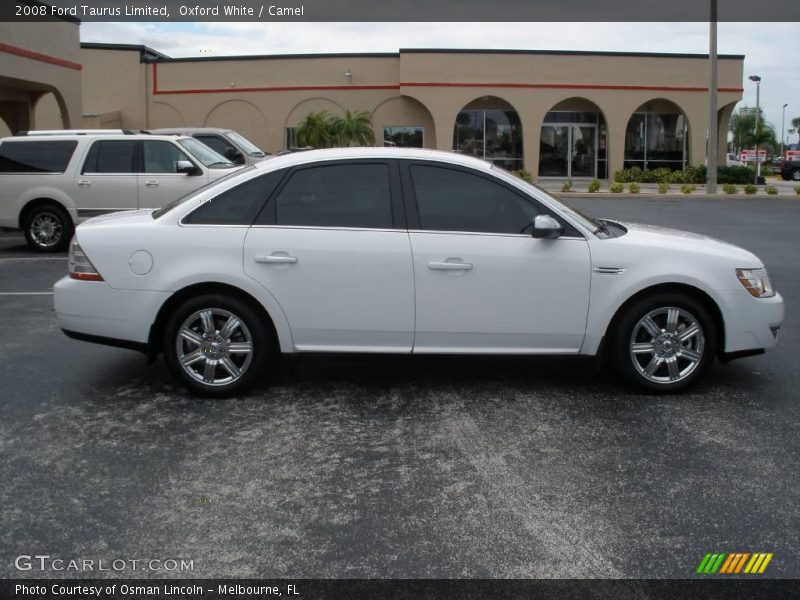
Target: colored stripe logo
column 734, row 563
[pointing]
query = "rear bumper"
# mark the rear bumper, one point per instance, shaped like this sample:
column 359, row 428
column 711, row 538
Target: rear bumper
column 94, row 311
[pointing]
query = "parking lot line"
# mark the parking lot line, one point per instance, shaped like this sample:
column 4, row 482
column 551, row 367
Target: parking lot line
column 26, row 293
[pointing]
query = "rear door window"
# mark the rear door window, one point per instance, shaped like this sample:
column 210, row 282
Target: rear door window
column 40, row 156
column 111, row 156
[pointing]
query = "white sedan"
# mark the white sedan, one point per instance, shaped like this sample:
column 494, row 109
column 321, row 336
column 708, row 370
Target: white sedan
column 405, row 251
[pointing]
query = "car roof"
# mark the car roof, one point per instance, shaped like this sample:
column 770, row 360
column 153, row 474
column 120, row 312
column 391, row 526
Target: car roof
column 188, row 130
column 312, row 156
column 76, row 136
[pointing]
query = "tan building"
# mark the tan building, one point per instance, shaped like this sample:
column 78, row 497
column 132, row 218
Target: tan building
column 40, row 75
column 554, row 113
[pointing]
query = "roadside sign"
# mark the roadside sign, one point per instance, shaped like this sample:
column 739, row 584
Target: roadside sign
column 793, row 155
column 749, row 155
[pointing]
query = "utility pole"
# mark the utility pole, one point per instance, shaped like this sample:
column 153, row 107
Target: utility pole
column 711, row 168
column 783, row 127
column 757, row 80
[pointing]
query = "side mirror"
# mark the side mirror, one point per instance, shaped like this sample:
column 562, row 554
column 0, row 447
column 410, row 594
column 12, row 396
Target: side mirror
column 546, row 227
column 233, row 155
column 186, row 167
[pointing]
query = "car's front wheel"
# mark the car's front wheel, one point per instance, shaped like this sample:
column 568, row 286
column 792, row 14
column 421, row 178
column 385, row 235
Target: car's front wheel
column 217, row 345
column 664, row 343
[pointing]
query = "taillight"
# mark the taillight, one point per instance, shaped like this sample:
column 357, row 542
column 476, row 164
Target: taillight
column 80, row 267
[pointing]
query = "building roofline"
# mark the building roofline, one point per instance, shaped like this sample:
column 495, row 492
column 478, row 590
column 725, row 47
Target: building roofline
column 565, row 53
column 148, row 52
column 142, row 49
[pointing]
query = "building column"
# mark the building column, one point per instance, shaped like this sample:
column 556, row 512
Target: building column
column 723, row 124
column 698, row 132
column 616, row 145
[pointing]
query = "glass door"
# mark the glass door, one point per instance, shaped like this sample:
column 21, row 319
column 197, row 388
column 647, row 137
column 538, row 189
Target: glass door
column 568, row 151
column 554, row 151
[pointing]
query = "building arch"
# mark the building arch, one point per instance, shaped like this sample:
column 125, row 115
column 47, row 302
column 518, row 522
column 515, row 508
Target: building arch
column 574, row 140
column 302, row 109
column 489, row 127
column 164, row 114
column 5, row 129
column 242, row 116
column 404, row 121
column 48, row 112
column 657, row 136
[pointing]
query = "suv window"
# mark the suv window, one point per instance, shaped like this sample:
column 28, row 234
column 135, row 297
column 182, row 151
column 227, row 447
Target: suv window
column 36, row 157
column 216, row 143
column 454, row 200
column 349, row 195
column 237, row 206
column 161, row 157
column 111, row 156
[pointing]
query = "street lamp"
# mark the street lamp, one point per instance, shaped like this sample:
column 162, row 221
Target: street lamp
column 783, row 125
column 757, row 81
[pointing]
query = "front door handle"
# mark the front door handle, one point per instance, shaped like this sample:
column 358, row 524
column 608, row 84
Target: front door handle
column 450, row 266
column 151, row 183
column 84, row 183
column 275, row 259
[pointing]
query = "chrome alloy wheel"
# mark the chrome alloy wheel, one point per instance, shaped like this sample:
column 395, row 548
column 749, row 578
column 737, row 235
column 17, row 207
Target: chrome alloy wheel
column 214, row 347
column 667, row 345
column 46, row 230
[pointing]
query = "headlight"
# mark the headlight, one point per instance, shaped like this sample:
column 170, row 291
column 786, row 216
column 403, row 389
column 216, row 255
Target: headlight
column 756, row 281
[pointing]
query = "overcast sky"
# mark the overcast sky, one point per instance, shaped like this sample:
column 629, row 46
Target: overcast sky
column 771, row 49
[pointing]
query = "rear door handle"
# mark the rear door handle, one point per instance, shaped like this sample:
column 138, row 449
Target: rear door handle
column 450, row 266
column 84, row 183
column 151, row 183
column 275, row 258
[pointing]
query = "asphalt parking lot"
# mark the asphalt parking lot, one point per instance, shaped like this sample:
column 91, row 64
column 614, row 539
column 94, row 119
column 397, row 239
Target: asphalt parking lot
column 405, row 466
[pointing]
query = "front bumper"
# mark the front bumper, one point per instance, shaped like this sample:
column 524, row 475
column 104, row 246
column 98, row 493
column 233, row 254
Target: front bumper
column 93, row 309
column 750, row 323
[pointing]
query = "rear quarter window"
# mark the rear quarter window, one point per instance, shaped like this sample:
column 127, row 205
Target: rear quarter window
column 40, row 156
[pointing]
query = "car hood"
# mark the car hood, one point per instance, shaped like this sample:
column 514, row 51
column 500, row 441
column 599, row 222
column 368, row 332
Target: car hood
column 686, row 241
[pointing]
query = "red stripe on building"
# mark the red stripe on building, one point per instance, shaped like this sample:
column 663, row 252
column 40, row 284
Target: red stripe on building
column 51, row 60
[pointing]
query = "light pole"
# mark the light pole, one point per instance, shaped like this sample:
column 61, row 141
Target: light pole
column 783, row 125
column 757, row 80
column 711, row 152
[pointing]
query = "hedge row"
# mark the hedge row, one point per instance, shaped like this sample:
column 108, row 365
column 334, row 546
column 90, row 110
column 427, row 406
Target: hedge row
column 734, row 175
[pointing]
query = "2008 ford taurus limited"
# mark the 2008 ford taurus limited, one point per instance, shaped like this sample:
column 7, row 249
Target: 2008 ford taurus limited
column 405, row 251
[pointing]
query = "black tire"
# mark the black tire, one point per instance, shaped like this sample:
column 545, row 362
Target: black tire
column 221, row 308
column 48, row 228
column 630, row 328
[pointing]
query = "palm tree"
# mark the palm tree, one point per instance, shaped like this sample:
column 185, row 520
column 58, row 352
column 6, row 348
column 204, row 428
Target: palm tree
column 353, row 129
column 745, row 136
column 315, row 130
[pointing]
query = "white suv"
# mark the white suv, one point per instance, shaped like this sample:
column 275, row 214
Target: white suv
column 49, row 183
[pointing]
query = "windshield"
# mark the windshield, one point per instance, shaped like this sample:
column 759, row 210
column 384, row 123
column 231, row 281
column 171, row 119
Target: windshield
column 159, row 212
column 585, row 220
column 244, row 144
column 205, row 155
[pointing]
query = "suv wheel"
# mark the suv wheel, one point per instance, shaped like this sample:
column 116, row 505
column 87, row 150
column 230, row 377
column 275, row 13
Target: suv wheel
column 217, row 345
column 48, row 228
column 664, row 343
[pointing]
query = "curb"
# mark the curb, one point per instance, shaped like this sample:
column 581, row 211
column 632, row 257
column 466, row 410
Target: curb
column 673, row 195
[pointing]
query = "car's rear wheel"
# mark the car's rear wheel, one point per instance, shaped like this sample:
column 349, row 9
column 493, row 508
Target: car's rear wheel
column 48, row 228
column 217, row 345
column 664, row 343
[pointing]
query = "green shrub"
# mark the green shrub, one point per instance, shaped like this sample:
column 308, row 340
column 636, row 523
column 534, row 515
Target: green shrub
column 695, row 174
column 663, row 187
column 797, row 190
column 771, row 190
column 750, row 189
column 567, row 187
column 729, row 188
column 524, row 175
column 616, row 187
column 688, row 188
column 660, row 175
column 633, row 187
column 594, row 186
column 629, row 175
column 677, row 177
column 737, row 175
